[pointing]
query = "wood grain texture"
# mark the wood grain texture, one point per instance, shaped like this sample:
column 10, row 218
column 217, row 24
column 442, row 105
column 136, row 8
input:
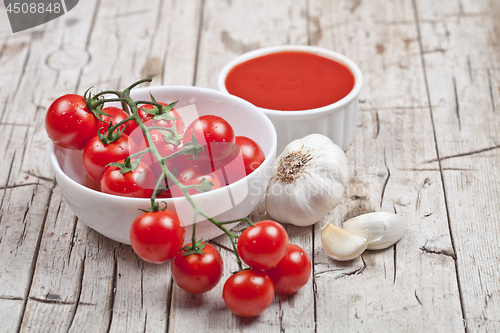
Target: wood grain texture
column 463, row 77
column 427, row 148
column 414, row 282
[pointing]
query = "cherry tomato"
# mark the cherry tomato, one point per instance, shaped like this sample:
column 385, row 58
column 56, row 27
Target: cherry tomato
column 263, row 246
column 69, row 123
column 208, row 166
column 198, row 273
column 214, row 134
column 116, row 115
column 138, row 183
column 194, row 176
column 292, row 272
column 179, row 163
column 147, row 118
column 157, row 236
column 232, row 169
column 164, row 148
column 253, row 156
column 248, row 293
column 97, row 155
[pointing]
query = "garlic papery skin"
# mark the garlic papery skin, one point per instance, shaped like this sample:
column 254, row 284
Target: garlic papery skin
column 308, row 180
column 341, row 245
column 382, row 229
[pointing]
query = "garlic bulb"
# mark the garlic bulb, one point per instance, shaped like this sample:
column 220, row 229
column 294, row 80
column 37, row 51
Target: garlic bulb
column 308, row 180
column 341, row 245
column 380, row 228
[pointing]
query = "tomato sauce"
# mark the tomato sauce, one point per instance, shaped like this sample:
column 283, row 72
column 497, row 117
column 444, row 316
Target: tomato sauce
column 290, row 81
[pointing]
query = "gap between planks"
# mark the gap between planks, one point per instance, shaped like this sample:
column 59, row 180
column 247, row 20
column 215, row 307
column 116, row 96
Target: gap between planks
column 422, row 59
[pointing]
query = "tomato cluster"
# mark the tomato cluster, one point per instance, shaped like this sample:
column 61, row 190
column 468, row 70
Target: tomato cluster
column 151, row 153
column 225, row 158
column 275, row 266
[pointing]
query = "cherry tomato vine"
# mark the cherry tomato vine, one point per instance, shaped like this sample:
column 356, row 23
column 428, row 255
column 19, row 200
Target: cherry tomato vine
column 264, row 245
column 191, row 147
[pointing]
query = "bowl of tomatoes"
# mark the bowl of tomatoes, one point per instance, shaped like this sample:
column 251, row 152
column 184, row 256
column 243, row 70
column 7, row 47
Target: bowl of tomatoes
column 242, row 141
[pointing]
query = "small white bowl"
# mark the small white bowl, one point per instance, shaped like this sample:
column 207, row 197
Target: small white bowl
column 337, row 120
column 113, row 215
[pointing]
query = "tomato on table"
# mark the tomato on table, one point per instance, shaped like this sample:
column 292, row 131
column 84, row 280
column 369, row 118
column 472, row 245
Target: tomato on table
column 138, row 183
column 198, row 273
column 263, row 246
column 215, row 135
column 248, row 293
column 157, row 236
column 97, row 155
column 292, row 272
column 252, row 153
column 69, row 123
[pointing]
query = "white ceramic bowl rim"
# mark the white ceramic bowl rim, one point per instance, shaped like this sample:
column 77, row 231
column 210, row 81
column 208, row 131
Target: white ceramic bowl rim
column 358, row 77
column 270, row 153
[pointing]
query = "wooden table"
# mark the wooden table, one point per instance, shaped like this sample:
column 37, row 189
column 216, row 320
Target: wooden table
column 426, row 147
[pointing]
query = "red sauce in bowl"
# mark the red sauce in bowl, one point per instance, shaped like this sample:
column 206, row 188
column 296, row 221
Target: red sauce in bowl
column 290, row 81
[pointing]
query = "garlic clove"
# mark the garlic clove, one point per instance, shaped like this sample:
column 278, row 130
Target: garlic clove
column 382, row 229
column 341, row 245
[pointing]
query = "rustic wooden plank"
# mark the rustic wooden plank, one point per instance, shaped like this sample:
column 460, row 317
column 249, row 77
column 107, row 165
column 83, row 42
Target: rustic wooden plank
column 463, row 76
column 179, row 50
column 27, row 183
column 409, row 283
column 22, row 218
column 161, row 45
column 473, row 193
column 94, row 309
column 10, row 310
column 461, row 57
column 56, row 283
column 14, row 53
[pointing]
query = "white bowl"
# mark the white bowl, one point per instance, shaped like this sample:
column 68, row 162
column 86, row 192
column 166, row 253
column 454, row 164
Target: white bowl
column 337, row 120
column 113, row 215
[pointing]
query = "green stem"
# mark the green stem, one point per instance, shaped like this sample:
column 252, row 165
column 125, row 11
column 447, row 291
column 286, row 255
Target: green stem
column 135, row 84
column 158, row 105
column 117, row 93
column 142, row 152
column 109, row 100
column 246, row 219
column 177, row 153
column 151, row 128
column 115, row 126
